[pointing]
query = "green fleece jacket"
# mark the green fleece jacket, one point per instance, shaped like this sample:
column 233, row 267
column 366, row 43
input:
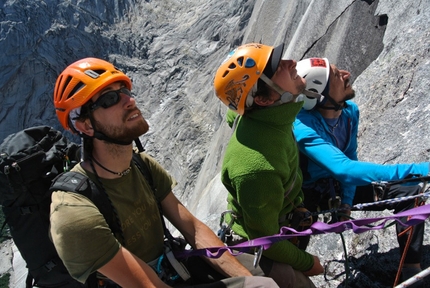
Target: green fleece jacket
column 261, row 172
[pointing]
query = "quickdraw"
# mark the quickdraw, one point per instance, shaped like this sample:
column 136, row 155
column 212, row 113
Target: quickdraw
column 225, row 232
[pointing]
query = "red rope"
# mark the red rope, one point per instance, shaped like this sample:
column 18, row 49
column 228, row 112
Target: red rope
column 410, row 229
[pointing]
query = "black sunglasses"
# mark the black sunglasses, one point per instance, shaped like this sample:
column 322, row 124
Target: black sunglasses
column 110, row 98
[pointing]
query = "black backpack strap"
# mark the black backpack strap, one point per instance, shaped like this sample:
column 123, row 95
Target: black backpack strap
column 145, row 170
column 79, row 183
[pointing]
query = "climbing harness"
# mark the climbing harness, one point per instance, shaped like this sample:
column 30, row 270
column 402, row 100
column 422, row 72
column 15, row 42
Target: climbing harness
column 168, row 268
column 226, row 235
column 299, row 219
column 322, row 196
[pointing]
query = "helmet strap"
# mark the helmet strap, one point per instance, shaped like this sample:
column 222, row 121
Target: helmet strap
column 336, row 106
column 285, row 96
column 312, row 94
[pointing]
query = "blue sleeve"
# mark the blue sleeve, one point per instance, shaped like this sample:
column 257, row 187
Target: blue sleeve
column 350, row 172
column 348, row 190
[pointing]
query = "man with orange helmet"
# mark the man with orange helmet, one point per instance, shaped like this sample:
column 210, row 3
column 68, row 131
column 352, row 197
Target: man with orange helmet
column 261, row 165
column 92, row 98
column 326, row 131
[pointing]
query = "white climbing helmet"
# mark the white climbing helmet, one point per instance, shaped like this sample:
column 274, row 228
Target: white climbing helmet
column 316, row 71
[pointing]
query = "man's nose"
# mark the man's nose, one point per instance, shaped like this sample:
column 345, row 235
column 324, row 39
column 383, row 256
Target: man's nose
column 291, row 63
column 129, row 101
column 345, row 74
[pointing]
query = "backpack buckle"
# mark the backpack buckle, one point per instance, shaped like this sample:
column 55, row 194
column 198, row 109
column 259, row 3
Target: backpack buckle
column 50, row 265
column 15, row 165
column 25, row 210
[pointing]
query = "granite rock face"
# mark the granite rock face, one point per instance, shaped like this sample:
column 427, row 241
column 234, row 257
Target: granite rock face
column 171, row 50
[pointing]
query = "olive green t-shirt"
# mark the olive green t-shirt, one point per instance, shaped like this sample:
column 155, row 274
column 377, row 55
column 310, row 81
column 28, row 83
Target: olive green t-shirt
column 81, row 235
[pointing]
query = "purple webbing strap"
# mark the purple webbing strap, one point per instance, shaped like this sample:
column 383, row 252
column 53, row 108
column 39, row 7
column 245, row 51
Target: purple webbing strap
column 417, row 215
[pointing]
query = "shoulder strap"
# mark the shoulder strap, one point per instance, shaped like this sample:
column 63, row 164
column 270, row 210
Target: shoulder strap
column 80, row 183
column 145, row 170
column 236, row 120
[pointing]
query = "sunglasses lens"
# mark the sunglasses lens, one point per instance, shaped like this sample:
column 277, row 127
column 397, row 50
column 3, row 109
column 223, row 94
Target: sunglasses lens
column 126, row 92
column 109, row 99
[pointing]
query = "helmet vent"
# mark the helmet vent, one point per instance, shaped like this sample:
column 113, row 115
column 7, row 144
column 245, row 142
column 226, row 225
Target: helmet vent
column 65, row 85
column 232, row 66
column 249, row 63
column 240, row 61
column 75, row 90
column 94, row 74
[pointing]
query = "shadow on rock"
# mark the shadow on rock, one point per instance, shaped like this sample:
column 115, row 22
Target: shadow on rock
column 375, row 269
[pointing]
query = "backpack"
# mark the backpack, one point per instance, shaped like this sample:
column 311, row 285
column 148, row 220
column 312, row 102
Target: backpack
column 29, row 161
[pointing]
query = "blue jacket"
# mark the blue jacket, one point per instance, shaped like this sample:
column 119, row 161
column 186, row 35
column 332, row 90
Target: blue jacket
column 326, row 160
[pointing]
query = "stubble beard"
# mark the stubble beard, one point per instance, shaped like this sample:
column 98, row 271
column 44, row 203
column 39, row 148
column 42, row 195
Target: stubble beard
column 349, row 96
column 123, row 133
column 300, row 87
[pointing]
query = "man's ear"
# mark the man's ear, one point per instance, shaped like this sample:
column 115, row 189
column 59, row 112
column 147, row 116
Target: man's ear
column 85, row 127
column 263, row 101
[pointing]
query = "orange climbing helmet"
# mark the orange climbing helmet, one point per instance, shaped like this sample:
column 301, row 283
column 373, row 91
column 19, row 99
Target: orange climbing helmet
column 79, row 82
column 241, row 70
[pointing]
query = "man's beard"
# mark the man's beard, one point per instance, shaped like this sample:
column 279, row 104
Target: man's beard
column 122, row 133
column 300, row 87
column 350, row 95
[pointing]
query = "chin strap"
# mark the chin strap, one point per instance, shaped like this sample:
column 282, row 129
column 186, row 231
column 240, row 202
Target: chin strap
column 312, row 94
column 139, row 144
column 287, row 96
column 336, row 106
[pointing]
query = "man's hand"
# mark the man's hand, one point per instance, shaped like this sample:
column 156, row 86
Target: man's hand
column 316, row 269
column 345, row 211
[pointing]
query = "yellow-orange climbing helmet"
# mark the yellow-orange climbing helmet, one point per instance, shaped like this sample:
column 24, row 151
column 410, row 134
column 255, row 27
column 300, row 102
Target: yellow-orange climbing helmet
column 79, row 82
column 241, row 70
